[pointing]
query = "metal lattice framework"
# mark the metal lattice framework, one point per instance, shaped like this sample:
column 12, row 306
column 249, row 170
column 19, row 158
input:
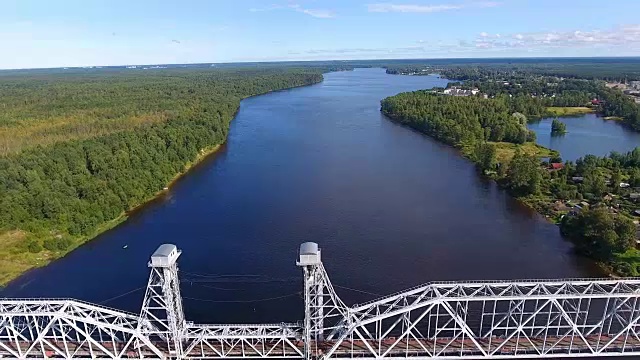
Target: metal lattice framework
column 495, row 319
column 243, row 341
column 498, row 319
column 49, row 328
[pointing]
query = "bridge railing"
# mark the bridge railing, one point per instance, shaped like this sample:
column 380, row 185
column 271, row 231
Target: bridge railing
column 442, row 319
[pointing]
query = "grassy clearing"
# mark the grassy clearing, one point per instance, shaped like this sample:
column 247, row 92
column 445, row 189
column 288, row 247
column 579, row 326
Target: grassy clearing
column 569, row 110
column 631, row 257
column 505, row 150
column 15, row 259
column 81, row 125
column 14, row 262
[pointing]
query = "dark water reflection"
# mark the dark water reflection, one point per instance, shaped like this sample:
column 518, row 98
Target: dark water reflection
column 586, row 134
column 390, row 208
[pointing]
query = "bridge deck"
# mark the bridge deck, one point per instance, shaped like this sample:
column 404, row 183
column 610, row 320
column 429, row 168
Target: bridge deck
column 457, row 347
column 391, row 347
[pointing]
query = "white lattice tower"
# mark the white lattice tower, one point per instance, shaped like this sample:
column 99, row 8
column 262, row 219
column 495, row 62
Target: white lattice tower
column 324, row 311
column 162, row 315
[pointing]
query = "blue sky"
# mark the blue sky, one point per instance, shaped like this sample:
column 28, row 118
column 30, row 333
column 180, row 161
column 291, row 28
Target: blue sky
column 45, row 33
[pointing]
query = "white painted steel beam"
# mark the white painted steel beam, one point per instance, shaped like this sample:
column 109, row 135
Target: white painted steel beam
column 446, row 320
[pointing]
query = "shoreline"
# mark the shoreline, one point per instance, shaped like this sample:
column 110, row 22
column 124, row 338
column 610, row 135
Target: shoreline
column 30, row 261
column 202, row 155
column 602, row 267
column 113, row 223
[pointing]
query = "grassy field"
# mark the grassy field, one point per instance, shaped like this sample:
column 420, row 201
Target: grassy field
column 631, row 257
column 505, row 151
column 77, row 125
column 569, row 111
column 14, row 260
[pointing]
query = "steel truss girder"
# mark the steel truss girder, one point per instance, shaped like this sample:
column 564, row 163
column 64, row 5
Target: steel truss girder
column 499, row 319
column 38, row 329
column 555, row 318
column 243, row 341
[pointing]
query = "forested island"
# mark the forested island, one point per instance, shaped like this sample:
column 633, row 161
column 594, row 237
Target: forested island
column 558, row 127
column 79, row 149
column 592, row 199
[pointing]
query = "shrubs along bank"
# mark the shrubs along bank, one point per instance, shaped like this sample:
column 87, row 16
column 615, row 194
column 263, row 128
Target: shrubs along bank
column 101, row 143
column 593, row 199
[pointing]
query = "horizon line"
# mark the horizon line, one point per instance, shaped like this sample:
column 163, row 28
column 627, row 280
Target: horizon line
column 318, row 60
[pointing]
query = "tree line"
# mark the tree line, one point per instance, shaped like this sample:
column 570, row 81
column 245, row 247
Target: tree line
column 61, row 193
column 602, row 230
column 610, row 69
column 459, row 121
column 564, row 83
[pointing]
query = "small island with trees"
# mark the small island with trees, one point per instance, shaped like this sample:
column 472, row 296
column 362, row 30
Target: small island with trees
column 558, row 127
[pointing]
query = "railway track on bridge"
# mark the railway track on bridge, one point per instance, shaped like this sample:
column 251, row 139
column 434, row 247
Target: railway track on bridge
column 480, row 319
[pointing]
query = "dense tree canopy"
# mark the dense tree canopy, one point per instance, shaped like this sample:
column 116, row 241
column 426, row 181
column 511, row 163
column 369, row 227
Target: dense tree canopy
column 600, row 234
column 457, row 120
column 524, row 175
column 558, row 127
column 480, row 127
column 477, row 125
column 614, row 69
column 540, row 84
column 81, row 171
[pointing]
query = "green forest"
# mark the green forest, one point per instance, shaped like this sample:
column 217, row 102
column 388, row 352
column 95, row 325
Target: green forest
column 602, row 226
column 610, row 69
column 544, row 84
column 593, row 199
column 558, row 127
column 460, row 121
column 78, row 150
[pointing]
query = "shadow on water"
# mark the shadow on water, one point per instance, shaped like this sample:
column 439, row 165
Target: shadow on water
column 389, row 207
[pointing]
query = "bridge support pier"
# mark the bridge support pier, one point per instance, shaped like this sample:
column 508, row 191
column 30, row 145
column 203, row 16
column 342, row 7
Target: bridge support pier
column 320, row 300
column 445, row 320
column 162, row 315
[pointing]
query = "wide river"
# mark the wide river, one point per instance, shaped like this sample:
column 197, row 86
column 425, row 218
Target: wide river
column 389, row 207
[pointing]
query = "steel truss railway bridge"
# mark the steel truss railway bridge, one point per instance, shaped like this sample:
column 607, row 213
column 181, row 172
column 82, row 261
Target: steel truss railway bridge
column 492, row 319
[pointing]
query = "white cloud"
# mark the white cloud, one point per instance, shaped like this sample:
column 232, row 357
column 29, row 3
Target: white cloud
column 487, row 4
column 621, row 36
column 486, row 35
column 410, row 8
column 317, row 13
column 417, row 8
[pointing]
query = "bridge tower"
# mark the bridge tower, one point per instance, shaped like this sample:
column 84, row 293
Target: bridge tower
column 323, row 309
column 162, row 315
